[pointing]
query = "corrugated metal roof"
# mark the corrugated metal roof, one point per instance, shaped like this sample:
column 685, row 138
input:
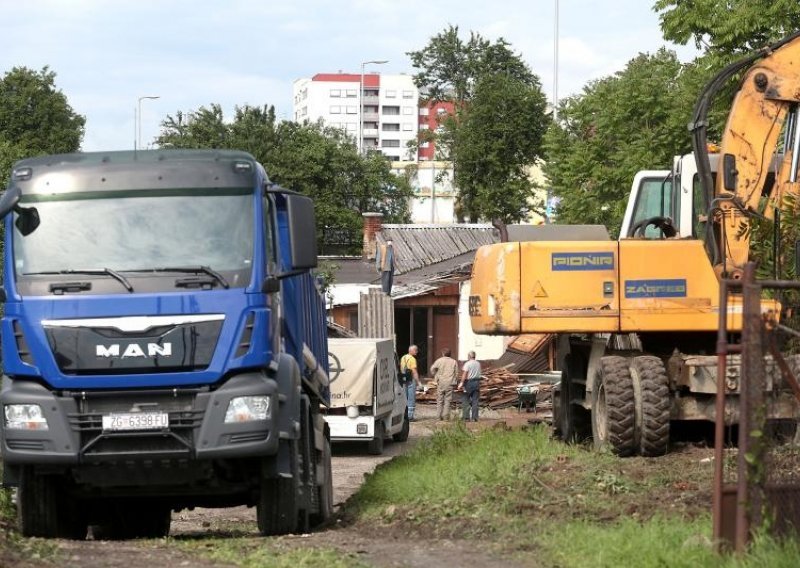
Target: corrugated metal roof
column 416, row 246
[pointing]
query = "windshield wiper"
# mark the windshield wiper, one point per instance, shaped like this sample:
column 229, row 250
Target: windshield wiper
column 196, row 270
column 98, row 271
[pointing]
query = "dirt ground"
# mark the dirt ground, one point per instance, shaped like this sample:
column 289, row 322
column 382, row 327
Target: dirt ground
column 350, row 464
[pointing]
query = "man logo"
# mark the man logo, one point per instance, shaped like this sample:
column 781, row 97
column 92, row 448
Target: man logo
column 561, row 261
column 134, row 350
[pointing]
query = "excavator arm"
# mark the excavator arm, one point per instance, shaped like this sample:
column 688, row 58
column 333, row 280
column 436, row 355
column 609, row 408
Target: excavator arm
column 765, row 106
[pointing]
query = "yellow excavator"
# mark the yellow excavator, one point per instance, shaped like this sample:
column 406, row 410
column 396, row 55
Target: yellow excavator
column 637, row 318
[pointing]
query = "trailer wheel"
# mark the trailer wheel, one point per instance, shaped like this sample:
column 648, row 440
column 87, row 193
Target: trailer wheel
column 613, row 407
column 324, row 491
column 402, row 435
column 277, row 507
column 375, row 445
column 654, row 404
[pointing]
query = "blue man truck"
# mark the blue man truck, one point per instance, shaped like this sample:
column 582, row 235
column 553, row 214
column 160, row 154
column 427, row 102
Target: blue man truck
column 164, row 344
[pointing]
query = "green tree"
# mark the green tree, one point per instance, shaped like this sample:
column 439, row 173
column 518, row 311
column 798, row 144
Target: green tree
column 633, row 120
column 315, row 160
column 450, row 68
column 498, row 138
column 727, row 27
column 35, row 118
column 496, row 130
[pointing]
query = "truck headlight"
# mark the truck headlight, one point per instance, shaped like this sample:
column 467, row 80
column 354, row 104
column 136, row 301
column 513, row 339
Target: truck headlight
column 247, row 409
column 24, row 417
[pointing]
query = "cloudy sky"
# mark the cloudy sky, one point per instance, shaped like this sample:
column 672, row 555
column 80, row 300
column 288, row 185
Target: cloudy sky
column 190, row 53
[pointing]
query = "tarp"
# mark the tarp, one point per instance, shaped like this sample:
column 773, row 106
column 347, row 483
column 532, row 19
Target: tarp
column 362, row 370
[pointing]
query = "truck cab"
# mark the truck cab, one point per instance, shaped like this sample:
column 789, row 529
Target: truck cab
column 163, row 344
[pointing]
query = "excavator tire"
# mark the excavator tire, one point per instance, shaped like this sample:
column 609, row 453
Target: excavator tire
column 613, row 407
column 650, row 373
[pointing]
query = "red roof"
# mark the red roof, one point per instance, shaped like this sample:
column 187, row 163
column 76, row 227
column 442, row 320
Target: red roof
column 370, row 79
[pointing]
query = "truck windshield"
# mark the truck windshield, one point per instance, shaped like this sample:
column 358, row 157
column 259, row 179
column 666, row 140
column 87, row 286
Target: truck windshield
column 139, row 230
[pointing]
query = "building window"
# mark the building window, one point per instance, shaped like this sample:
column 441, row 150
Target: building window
column 389, row 127
column 424, row 144
column 424, row 111
column 391, row 110
column 391, row 94
column 351, row 126
column 390, row 143
column 336, row 92
column 335, row 109
column 352, row 109
column 408, row 110
column 351, row 93
column 408, row 94
column 408, row 127
column 424, row 127
column 440, row 111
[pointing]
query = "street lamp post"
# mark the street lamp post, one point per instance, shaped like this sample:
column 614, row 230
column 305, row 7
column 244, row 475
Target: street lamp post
column 360, row 144
column 139, row 121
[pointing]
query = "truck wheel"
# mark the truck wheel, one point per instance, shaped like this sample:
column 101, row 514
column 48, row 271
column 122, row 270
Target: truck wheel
column 37, row 505
column 402, row 435
column 325, row 491
column 613, row 407
column 375, row 445
column 277, row 507
column 651, row 375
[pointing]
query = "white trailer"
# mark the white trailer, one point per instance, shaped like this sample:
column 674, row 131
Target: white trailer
column 368, row 403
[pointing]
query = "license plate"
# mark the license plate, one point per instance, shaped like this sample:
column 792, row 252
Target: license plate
column 136, row 421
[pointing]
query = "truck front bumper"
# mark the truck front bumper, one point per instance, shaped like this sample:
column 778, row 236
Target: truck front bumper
column 197, row 429
column 346, row 429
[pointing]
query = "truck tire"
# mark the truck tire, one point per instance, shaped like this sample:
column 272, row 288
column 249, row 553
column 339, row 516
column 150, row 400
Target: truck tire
column 325, row 490
column 654, row 404
column 375, row 445
column 46, row 509
column 613, row 407
column 402, row 435
column 277, row 507
column 37, row 505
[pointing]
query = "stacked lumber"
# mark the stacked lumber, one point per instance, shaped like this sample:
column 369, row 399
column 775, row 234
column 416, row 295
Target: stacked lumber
column 499, row 389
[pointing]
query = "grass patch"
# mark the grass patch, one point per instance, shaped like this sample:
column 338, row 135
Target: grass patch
column 537, row 498
column 261, row 553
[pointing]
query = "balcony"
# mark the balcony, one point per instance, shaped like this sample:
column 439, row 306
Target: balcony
column 370, row 100
column 370, row 117
column 370, row 133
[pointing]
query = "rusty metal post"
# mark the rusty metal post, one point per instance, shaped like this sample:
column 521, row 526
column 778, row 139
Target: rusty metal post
column 751, row 403
column 719, row 418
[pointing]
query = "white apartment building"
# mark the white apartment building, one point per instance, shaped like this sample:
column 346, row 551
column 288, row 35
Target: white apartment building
column 384, row 115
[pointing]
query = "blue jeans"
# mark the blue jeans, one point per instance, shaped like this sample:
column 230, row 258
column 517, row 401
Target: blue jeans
column 469, row 407
column 411, row 393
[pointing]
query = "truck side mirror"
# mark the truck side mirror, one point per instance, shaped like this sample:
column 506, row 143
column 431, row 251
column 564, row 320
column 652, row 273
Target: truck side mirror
column 302, row 225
